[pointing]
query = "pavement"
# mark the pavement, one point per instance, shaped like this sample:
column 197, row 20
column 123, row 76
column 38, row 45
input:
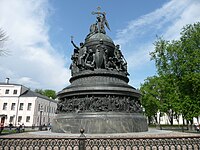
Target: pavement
column 151, row 133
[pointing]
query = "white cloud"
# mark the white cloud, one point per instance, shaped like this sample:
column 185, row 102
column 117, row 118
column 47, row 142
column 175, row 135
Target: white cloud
column 36, row 64
column 138, row 36
column 27, row 81
column 141, row 56
column 152, row 21
column 33, row 61
column 189, row 15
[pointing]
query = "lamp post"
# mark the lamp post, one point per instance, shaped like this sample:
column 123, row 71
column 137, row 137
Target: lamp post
column 48, row 110
column 41, row 110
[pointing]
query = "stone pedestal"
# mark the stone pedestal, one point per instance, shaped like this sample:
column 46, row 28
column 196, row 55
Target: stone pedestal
column 100, row 122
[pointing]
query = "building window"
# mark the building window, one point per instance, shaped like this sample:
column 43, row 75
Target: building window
column 15, row 92
column 21, row 105
column 13, row 106
column 43, row 119
column 5, row 106
column 29, row 106
column 11, row 119
column 28, row 118
column 19, row 118
column 7, row 91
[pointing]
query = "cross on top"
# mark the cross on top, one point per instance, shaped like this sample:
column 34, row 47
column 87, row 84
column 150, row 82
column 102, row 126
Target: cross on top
column 99, row 8
column 98, row 11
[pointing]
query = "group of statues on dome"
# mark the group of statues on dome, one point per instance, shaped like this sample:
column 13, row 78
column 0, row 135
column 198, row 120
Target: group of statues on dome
column 97, row 56
column 98, row 104
column 99, row 25
column 85, row 58
column 117, row 62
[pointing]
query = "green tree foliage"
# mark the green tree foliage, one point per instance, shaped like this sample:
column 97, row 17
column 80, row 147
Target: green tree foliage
column 150, row 98
column 178, row 67
column 48, row 93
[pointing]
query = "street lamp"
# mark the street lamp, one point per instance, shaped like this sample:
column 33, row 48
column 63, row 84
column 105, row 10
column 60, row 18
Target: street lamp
column 41, row 110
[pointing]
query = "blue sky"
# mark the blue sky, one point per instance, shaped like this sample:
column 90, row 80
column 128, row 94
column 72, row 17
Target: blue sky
column 39, row 35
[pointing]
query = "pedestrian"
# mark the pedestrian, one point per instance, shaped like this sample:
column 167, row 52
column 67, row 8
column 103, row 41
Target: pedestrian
column 196, row 126
column 49, row 126
column 1, row 127
column 19, row 126
column 23, row 127
column 10, row 126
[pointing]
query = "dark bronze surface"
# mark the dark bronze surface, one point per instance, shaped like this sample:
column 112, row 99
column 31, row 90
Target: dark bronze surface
column 99, row 83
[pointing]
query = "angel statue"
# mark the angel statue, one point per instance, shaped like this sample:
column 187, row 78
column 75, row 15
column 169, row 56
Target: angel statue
column 101, row 21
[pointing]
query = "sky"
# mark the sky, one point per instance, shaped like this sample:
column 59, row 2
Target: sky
column 39, row 31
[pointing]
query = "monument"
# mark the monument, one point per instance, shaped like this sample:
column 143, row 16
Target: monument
column 99, row 99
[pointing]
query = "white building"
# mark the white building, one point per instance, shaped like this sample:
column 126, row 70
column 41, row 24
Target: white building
column 178, row 120
column 18, row 104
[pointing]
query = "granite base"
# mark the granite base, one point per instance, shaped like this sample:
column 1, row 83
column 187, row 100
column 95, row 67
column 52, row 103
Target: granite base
column 99, row 122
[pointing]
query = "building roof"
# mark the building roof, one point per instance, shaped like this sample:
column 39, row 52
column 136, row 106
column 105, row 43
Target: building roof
column 3, row 83
column 29, row 93
column 26, row 92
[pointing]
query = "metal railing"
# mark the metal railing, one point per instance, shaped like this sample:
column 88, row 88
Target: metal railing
column 85, row 143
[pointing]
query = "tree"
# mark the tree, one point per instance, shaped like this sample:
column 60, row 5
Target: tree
column 40, row 91
column 178, row 64
column 150, row 98
column 3, row 38
column 48, row 93
column 190, row 70
column 157, row 96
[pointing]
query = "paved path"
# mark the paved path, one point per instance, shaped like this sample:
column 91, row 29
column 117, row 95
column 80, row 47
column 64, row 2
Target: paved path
column 151, row 133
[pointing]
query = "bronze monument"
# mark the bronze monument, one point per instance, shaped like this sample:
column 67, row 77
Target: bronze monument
column 99, row 99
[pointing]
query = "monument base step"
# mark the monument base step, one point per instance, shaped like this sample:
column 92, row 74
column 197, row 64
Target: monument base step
column 99, row 122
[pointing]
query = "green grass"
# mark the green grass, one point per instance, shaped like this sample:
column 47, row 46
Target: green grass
column 13, row 131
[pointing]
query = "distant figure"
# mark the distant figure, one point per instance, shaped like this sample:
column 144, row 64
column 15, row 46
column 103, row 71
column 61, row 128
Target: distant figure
column 10, row 126
column 196, row 127
column 44, row 126
column 49, row 126
column 33, row 126
column 23, row 127
column 18, row 128
column 1, row 127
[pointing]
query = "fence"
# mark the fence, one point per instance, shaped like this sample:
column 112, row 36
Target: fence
column 84, row 143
